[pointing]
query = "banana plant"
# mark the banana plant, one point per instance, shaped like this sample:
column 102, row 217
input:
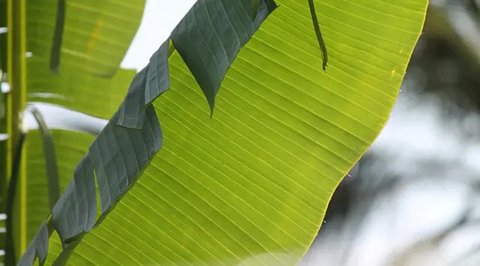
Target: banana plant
column 225, row 149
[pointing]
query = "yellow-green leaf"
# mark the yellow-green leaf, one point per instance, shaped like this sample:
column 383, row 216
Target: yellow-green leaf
column 251, row 184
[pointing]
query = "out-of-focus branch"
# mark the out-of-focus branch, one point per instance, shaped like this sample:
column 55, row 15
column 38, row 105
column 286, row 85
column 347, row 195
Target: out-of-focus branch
column 458, row 22
column 475, row 5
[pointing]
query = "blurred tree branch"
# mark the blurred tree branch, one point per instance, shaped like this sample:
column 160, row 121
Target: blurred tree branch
column 457, row 22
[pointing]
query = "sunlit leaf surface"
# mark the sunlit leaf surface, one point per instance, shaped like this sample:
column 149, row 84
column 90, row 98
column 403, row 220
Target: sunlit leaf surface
column 252, row 183
column 96, row 37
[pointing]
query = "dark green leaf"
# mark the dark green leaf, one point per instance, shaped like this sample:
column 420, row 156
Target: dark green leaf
column 318, row 33
column 70, row 147
column 158, row 77
column 118, row 154
column 132, row 110
column 147, row 85
column 58, row 36
column 75, row 211
column 211, row 34
column 50, row 158
column 37, row 248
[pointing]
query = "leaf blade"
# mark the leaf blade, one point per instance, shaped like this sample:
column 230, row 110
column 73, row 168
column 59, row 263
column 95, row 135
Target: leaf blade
column 252, row 184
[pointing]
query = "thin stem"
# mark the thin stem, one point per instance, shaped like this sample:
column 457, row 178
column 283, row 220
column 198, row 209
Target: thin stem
column 318, row 32
column 50, row 158
column 57, row 37
column 16, row 101
column 12, row 190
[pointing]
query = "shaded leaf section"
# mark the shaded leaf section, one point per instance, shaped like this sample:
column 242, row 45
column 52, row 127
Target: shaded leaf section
column 38, row 248
column 96, row 36
column 158, row 75
column 111, row 165
column 147, row 85
column 211, row 34
column 115, row 158
column 58, row 36
column 75, row 211
column 119, row 154
column 71, row 148
column 132, row 111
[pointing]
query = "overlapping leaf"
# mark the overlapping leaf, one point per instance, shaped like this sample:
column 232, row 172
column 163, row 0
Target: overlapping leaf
column 97, row 34
column 90, row 27
column 38, row 248
column 96, row 37
column 251, row 184
column 71, row 146
column 211, row 34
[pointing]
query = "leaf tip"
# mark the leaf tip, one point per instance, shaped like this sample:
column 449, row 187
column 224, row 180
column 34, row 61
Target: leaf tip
column 211, row 104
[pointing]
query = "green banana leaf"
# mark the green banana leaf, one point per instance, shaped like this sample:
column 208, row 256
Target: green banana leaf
column 96, row 39
column 72, row 146
column 251, row 184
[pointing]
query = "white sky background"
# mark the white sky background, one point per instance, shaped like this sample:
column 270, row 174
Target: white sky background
column 159, row 19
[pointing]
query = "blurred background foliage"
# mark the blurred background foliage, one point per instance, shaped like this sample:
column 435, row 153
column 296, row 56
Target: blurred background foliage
column 414, row 198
